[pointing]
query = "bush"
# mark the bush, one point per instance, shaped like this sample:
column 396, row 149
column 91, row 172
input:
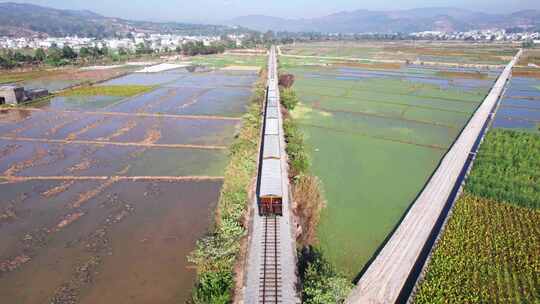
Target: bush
column 288, row 98
column 298, row 158
column 321, row 283
column 308, row 204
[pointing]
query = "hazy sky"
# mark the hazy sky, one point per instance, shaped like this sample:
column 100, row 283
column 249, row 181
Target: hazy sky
column 216, row 10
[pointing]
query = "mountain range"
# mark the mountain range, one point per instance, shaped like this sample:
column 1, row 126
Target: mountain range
column 23, row 20
column 404, row 21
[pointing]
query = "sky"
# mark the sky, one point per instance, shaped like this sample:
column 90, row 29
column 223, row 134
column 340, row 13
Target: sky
column 213, row 11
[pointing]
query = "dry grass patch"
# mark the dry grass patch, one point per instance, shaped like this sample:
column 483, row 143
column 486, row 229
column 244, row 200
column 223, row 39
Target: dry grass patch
column 466, row 75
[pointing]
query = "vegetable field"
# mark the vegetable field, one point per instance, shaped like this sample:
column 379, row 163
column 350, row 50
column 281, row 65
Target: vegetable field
column 488, row 254
column 507, row 168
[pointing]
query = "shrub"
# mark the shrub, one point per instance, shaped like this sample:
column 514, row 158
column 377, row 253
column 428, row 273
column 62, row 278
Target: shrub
column 321, row 283
column 288, row 98
column 298, row 158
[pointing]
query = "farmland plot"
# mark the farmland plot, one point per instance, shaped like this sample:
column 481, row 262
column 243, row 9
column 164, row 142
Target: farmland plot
column 375, row 136
column 489, row 251
column 520, row 107
column 106, row 189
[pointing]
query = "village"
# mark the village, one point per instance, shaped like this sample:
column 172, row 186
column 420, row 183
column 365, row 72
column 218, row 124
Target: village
column 156, row 42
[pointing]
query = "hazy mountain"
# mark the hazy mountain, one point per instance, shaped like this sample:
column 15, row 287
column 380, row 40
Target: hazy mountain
column 18, row 19
column 406, row 21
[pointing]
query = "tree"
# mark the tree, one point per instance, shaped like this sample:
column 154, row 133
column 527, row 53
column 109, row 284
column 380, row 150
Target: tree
column 84, row 52
column 40, row 55
column 122, row 51
column 68, row 53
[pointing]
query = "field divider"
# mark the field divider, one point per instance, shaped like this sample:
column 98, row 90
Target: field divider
column 141, row 114
column 362, row 113
column 416, row 62
column 365, row 134
column 10, row 178
column 110, row 143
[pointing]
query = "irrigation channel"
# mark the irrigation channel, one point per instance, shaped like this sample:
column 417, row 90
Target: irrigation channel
column 270, row 272
column 393, row 273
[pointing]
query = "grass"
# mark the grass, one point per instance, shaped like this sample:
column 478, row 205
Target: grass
column 215, row 254
column 220, row 61
column 488, row 254
column 17, row 76
column 116, row 90
column 508, row 168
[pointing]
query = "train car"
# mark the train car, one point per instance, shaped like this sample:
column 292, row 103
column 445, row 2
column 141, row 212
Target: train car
column 272, row 112
column 271, row 192
column 271, row 127
column 273, row 102
column 271, row 147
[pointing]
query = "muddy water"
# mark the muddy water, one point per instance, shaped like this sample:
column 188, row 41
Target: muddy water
column 106, row 240
column 130, row 246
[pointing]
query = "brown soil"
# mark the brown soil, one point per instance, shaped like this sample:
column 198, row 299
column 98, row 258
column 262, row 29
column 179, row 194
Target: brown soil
column 74, row 135
column 8, row 150
column 37, row 158
column 152, row 136
column 13, row 264
column 466, row 75
column 530, row 73
column 123, row 130
column 374, row 66
column 57, row 189
column 69, row 219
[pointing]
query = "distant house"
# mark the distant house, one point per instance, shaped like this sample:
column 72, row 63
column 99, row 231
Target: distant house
column 11, row 95
column 14, row 95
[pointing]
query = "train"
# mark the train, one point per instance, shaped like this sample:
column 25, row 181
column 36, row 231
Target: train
column 270, row 196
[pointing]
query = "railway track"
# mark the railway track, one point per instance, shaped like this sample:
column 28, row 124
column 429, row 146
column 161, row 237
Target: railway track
column 270, row 277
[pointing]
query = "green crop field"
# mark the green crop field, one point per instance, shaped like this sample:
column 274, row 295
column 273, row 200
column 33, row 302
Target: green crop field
column 375, row 135
column 450, row 52
column 116, row 90
column 488, row 254
column 220, row 61
column 508, row 168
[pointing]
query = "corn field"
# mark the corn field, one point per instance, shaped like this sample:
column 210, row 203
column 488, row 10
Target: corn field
column 490, row 249
column 489, row 253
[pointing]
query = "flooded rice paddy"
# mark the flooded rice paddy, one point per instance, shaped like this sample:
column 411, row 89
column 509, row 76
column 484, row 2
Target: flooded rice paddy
column 520, row 107
column 102, row 198
column 375, row 137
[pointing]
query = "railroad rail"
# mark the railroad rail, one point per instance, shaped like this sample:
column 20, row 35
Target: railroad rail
column 271, row 260
column 270, row 281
